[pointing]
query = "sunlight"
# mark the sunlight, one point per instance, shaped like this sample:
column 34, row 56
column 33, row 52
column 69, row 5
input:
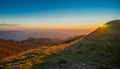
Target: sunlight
column 103, row 25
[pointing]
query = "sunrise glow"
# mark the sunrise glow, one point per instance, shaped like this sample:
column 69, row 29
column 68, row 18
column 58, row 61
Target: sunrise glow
column 56, row 14
column 104, row 25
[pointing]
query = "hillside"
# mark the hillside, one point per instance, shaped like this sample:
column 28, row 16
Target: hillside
column 23, row 52
column 98, row 50
column 9, row 48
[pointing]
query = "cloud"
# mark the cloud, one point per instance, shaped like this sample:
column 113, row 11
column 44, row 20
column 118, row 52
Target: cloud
column 6, row 24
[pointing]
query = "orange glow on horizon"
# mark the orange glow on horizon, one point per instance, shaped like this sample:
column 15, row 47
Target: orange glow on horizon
column 35, row 27
column 59, row 27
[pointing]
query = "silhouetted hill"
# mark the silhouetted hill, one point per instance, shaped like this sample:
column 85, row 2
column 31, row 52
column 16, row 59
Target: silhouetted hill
column 98, row 50
column 42, row 41
column 52, row 41
column 69, row 39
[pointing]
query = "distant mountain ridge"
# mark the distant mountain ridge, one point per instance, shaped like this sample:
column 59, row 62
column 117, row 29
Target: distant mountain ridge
column 23, row 35
column 42, row 41
column 52, row 41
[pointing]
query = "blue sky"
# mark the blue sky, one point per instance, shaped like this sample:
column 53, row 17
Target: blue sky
column 58, row 13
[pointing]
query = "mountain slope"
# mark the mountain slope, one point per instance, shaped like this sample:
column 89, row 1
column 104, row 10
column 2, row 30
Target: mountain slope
column 37, row 56
column 9, row 48
column 99, row 50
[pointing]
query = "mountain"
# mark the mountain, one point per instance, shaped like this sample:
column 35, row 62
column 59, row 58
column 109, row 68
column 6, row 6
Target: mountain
column 98, row 50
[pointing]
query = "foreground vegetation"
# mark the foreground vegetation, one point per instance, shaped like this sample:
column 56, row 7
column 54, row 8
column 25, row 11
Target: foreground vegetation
column 33, row 57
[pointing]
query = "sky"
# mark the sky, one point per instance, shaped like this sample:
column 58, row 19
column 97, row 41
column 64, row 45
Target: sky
column 57, row 14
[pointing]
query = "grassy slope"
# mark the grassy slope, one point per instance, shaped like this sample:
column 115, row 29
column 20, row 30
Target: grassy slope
column 99, row 50
column 34, row 57
column 10, row 48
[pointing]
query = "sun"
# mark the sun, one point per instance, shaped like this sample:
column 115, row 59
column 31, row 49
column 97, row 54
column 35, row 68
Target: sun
column 103, row 25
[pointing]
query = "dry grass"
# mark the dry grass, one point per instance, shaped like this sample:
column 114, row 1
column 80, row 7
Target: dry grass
column 34, row 56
